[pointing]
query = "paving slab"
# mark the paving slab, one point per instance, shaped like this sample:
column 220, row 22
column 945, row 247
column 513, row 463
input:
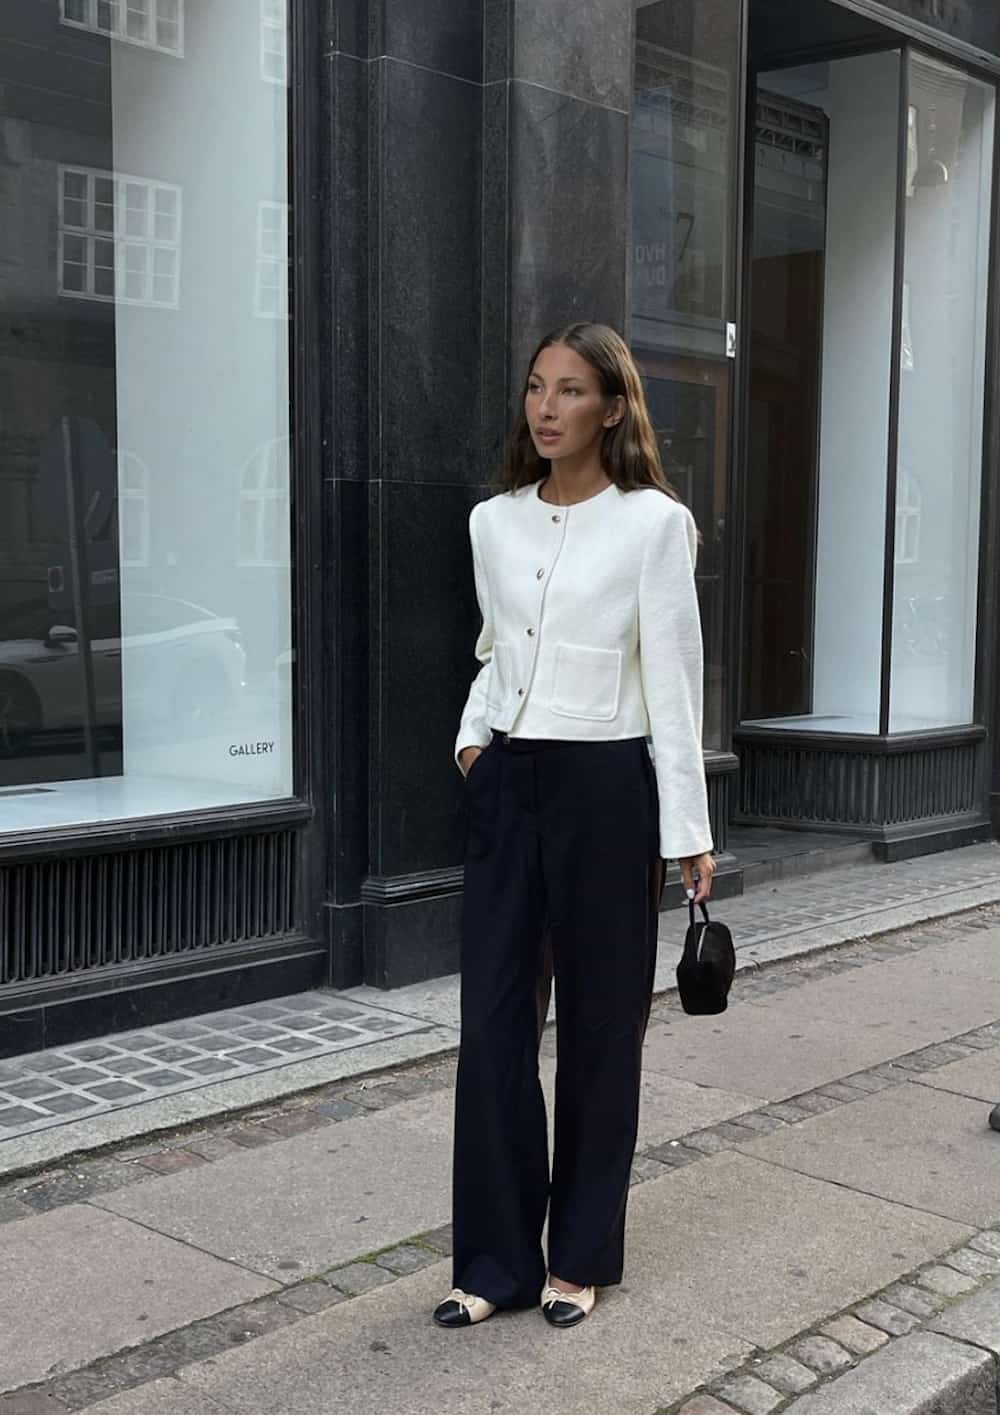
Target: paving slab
column 769, row 1053
column 825, row 1028
column 170, row 1397
column 382, row 1352
column 79, row 1283
column 976, row 954
column 917, row 997
column 923, row 1374
column 331, row 1195
column 929, row 1149
column 977, row 1077
column 709, row 1237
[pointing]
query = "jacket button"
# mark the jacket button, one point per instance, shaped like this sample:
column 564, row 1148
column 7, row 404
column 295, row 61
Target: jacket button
column 556, row 520
column 530, row 633
column 539, row 574
column 520, row 692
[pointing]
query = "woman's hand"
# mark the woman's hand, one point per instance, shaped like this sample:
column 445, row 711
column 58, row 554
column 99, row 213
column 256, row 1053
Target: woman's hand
column 702, row 868
column 466, row 757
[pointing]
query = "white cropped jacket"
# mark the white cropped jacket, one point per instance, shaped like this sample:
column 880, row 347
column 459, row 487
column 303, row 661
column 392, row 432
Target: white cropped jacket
column 591, row 632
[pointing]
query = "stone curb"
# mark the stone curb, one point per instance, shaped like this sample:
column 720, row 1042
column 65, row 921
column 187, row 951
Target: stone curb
column 952, row 1367
column 882, row 1359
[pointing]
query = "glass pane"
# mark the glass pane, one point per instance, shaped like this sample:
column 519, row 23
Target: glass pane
column 941, row 399
column 75, row 250
column 108, row 16
column 822, row 289
column 137, row 19
column 682, row 267
column 145, row 634
column 136, row 208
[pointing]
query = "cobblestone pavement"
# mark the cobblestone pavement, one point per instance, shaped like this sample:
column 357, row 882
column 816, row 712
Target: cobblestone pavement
column 859, row 891
column 46, row 1088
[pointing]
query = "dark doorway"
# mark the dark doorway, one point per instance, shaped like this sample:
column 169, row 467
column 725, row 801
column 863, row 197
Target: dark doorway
column 785, row 314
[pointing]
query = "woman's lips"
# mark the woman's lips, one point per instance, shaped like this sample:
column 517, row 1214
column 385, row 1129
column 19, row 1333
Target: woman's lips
column 547, row 435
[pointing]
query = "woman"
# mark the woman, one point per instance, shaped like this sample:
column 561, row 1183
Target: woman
column 591, row 641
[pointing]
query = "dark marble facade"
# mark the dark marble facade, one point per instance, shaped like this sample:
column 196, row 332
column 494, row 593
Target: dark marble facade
column 477, row 197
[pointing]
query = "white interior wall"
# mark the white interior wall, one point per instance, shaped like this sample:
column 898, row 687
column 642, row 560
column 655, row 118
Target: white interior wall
column 941, row 406
column 857, row 331
column 203, row 392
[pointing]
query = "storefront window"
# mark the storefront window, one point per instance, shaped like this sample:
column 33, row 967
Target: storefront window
column 145, row 594
column 828, row 474
column 946, row 272
column 682, row 269
column 822, row 274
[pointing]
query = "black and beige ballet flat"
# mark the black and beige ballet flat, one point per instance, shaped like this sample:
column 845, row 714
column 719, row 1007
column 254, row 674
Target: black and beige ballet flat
column 565, row 1309
column 462, row 1309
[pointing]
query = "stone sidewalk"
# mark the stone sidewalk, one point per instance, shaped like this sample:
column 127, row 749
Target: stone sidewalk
column 57, row 1103
column 815, row 1180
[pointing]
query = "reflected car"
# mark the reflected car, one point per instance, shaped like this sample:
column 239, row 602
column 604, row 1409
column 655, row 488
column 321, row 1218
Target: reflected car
column 183, row 666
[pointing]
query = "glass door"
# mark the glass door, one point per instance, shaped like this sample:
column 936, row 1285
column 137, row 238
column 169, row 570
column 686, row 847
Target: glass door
column 685, row 152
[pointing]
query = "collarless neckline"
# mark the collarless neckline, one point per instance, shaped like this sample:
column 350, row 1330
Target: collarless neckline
column 572, row 505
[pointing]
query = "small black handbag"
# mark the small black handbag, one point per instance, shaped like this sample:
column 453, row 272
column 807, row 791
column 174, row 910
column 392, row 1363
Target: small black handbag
column 706, row 970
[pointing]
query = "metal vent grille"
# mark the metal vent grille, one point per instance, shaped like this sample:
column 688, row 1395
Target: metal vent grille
column 61, row 918
column 820, row 785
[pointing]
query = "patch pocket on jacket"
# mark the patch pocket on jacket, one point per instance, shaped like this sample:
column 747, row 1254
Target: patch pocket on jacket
column 586, row 682
column 498, row 686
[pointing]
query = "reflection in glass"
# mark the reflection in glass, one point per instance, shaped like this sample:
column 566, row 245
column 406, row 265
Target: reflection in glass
column 156, row 24
column 145, row 613
column 941, row 400
column 683, row 180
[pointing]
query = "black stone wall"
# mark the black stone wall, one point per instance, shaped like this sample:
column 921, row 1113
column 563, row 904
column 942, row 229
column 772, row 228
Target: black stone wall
column 475, row 196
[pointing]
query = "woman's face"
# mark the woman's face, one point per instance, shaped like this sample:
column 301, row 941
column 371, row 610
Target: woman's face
column 566, row 410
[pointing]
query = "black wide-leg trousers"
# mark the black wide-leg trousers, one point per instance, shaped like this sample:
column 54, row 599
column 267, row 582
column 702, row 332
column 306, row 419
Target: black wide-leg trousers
column 563, row 850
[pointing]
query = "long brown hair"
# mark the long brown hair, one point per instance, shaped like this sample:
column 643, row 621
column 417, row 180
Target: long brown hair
column 629, row 454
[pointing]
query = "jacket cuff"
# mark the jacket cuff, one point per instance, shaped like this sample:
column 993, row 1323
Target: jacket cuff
column 472, row 737
column 674, row 848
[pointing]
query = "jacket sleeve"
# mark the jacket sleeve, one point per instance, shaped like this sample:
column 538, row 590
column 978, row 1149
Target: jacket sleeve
column 474, row 730
column 671, row 664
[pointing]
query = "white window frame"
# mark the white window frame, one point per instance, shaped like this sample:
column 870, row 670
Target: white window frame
column 121, row 238
column 267, row 495
column 268, row 263
column 274, row 41
column 133, row 491
column 119, row 25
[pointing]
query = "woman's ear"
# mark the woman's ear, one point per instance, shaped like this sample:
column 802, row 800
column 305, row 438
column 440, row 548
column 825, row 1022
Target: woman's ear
column 615, row 413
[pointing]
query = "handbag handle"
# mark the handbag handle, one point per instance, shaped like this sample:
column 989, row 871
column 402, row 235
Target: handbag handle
column 702, row 907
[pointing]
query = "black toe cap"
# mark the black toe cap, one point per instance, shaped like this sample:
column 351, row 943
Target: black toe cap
column 563, row 1314
column 451, row 1314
